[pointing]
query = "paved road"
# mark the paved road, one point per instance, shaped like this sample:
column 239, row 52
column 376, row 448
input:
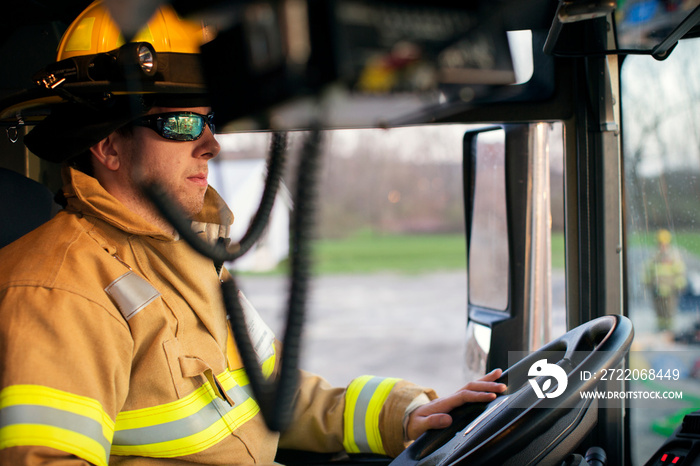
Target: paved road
column 408, row 326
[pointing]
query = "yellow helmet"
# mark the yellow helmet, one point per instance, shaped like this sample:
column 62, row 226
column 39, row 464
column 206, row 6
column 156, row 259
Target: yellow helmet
column 93, row 57
column 100, row 82
column 663, row 236
column 94, row 31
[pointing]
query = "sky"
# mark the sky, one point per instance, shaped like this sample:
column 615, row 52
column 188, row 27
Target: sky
column 661, row 109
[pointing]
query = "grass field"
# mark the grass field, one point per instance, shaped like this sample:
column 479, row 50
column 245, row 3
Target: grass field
column 689, row 241
column 368, row 252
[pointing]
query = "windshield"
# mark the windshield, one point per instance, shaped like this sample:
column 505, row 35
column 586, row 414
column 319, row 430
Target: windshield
column 662, row 171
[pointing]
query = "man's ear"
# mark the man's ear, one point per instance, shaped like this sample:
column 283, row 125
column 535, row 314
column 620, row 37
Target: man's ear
column 108, row 152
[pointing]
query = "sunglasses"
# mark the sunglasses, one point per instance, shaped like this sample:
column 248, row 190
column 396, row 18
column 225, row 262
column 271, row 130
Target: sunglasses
column 178, row 126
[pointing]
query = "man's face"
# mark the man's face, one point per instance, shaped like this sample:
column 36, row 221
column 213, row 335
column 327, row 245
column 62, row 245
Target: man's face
column 180, row 167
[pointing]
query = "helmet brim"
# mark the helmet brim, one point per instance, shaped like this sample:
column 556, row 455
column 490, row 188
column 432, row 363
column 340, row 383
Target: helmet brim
column 70, row 128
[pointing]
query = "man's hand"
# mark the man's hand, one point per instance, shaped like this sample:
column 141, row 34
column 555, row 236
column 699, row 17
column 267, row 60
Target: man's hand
column 434, row 415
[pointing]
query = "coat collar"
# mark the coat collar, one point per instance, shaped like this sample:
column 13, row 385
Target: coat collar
column 86, row 196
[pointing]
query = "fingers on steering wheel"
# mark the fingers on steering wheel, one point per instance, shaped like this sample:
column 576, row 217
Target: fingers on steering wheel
column 473, row 396
column 482, row 386
column 491, row 376
column 448, row 403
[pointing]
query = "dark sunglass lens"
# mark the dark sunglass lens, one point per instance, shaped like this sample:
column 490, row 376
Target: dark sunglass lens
column 210, row 122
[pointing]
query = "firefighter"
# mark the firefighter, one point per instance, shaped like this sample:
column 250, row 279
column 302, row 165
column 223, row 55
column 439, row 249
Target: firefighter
column 113, row 336
column 665, row 279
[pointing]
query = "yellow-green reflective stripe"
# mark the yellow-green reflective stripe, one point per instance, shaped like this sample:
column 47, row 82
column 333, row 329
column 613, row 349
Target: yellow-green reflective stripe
column 239, row 376
column 187, row 426
column 268, row 366
column 363, row 403
column 22, row 435
column 36, row 415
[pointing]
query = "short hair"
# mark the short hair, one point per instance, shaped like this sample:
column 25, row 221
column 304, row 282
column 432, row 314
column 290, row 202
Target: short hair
column 83, row 162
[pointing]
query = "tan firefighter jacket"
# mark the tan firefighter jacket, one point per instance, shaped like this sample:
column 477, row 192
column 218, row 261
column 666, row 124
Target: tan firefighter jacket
column 116, row 350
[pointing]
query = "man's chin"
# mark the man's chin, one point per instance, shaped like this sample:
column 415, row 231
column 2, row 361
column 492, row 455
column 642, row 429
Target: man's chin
column 190, row 205
column 192, row 209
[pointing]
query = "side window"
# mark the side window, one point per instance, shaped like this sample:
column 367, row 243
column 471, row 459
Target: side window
column 488, row 244
column 514, row 196
column 661, row 149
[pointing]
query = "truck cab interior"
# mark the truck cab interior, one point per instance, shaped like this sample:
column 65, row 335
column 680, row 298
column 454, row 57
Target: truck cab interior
column 605, row 93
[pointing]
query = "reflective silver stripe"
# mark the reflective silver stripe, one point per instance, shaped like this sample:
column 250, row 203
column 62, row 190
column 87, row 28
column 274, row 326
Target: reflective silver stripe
column 263, row 336
column 44, row 415
column 173, row 430
column 131, row 293
column 181, row 428
column 360, row 414
column 240, row 394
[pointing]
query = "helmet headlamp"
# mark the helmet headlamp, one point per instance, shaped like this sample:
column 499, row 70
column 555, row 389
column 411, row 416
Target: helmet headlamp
column 147, row 59
column 134, row 60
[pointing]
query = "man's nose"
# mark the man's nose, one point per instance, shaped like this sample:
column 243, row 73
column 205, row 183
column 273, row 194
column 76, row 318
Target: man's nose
column 210, row 146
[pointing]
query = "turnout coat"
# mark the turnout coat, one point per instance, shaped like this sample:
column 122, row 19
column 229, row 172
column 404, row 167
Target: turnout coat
column 116, row 350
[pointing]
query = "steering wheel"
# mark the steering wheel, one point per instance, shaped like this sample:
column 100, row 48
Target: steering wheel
column 519, row 427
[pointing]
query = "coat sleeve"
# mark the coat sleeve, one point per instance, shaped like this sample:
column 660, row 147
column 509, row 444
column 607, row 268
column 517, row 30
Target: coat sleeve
column 365, row 417
column 63, row 378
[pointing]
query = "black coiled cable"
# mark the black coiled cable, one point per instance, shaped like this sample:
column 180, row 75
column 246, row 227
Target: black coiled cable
column 303, row 222
column 219, row 252
column 275, row 170
column 275, row 397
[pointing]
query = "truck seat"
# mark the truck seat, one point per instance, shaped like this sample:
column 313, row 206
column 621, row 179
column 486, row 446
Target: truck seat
column 25, row 205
